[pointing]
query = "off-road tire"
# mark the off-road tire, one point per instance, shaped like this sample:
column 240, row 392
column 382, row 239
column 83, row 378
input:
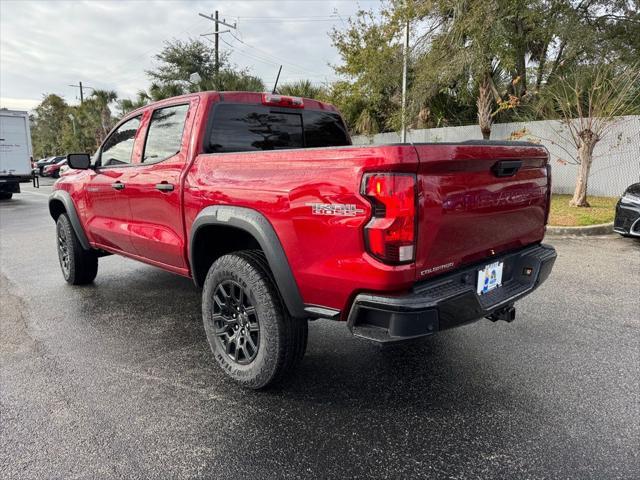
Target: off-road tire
column 282, row 339
column 79, row 266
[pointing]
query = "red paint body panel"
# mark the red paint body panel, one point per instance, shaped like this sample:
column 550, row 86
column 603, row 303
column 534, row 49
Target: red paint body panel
column 465, row 213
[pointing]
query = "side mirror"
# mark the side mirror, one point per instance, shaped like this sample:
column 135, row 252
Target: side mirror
column 79, row 161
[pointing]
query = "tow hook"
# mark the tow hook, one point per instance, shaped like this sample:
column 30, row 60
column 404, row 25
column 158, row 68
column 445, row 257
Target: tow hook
column 508, row 314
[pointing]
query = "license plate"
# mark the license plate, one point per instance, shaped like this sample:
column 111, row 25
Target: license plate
column 490, row 277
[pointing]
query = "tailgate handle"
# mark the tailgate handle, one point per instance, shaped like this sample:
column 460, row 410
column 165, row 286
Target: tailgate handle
column 506, row 168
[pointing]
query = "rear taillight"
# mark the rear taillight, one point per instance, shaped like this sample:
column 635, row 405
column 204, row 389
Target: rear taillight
column 390, row 236
column 282, row 101
column 548, row 206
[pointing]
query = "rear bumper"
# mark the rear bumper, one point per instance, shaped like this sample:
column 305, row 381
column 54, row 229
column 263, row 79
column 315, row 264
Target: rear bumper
column 11, row 183
column 450, row 300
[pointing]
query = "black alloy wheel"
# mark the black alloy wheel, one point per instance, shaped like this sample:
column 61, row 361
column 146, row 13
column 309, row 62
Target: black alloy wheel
column 63, row 249
column 236, row 322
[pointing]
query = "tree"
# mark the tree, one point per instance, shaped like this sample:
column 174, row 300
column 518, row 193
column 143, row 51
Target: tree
column 588, row 101
column 303, row 88
column 102, row 99
column 473, row 60
column 127, row 105
column 477, row 50
column 371, row 53
column 232, row 79
column 179, row 59
column 47, row 126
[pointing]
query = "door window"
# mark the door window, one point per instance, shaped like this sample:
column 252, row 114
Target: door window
column 118, row 148
column 164, row 138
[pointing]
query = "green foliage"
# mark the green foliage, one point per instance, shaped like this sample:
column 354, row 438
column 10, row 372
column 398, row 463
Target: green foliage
column 515, row 48
column 58, row 129
column 370, row 96
column 179, row 59
column 47, row 125
column 127, row 105
column 303, row 88
column 230, row 79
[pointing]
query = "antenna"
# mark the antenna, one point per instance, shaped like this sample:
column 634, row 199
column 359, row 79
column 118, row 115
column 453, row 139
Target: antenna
column 277, row 78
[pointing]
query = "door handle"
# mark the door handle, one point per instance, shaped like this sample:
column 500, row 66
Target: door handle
column 506, row 168
column 164, row 187
column 117, row 185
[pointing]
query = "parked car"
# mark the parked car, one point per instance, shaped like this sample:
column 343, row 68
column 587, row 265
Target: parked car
column 627, row 221
column 45, row 162
column 53, row 170
column 233, row 190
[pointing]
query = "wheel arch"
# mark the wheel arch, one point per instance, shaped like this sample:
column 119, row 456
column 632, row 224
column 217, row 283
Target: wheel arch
column 60, row 202
column 242, row 228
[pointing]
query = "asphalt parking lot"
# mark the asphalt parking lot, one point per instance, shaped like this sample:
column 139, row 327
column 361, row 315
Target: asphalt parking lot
column 115, row 380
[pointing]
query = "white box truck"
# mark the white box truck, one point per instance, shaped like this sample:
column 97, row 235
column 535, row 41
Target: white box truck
column 15, row 152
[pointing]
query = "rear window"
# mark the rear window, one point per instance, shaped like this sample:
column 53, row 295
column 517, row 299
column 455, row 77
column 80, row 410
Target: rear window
column 245, row 128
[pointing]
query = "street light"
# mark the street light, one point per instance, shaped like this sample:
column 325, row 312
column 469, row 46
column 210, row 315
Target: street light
column 195, row 79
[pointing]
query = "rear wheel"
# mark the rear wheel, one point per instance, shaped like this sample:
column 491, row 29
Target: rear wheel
column 79, row 266
column 251, row 334
column 5, row 195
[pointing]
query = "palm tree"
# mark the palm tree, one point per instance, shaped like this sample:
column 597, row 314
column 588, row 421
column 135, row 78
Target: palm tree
column 127, row 105
column 303, row 88
column 166, row 90
column 103, row 98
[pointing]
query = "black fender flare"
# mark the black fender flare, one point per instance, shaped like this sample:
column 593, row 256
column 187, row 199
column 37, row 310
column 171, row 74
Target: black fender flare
column 256, row 224
column 70, row 209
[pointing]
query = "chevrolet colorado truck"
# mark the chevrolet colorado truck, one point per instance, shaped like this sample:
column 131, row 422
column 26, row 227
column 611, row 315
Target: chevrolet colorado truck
column 262, row 200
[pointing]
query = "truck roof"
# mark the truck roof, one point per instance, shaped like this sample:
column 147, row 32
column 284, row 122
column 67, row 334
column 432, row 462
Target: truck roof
column 239, row 97
column 4, row 111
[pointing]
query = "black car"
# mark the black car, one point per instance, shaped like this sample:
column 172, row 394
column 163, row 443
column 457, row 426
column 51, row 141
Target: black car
column 45, row 162
column 627, row 221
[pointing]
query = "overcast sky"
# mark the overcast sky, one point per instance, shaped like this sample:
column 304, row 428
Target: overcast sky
column 47, row 45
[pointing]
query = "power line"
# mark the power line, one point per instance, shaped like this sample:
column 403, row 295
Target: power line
column 300, row 17
column 217, row 33
column 81, row 87
column 286, row 62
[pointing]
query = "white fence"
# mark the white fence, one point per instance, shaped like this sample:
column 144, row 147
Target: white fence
column 616, row 162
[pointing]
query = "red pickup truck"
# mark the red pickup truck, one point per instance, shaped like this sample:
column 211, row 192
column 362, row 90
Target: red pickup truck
column 262, row 200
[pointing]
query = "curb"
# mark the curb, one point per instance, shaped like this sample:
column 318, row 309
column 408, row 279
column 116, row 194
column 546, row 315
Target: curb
column 602, row 229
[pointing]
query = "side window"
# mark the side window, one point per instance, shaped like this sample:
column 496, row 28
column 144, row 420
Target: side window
column 164, row 138
column 324, row 129
column 119, row 146
column 242, row 128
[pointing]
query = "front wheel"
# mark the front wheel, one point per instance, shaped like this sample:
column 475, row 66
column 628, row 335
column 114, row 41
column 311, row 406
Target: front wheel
column 251, row 334
column 6, row 195
column 79, row 266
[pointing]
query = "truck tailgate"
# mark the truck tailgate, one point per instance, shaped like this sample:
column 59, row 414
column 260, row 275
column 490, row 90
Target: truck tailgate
column 476, row 200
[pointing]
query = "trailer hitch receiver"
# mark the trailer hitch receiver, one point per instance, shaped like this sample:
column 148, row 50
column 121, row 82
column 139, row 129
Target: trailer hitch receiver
column 508, row 314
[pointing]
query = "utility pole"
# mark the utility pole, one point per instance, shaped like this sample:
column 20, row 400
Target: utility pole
column 217, row 64
column 405, row 60
column 216, row 33
column 79, row 85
